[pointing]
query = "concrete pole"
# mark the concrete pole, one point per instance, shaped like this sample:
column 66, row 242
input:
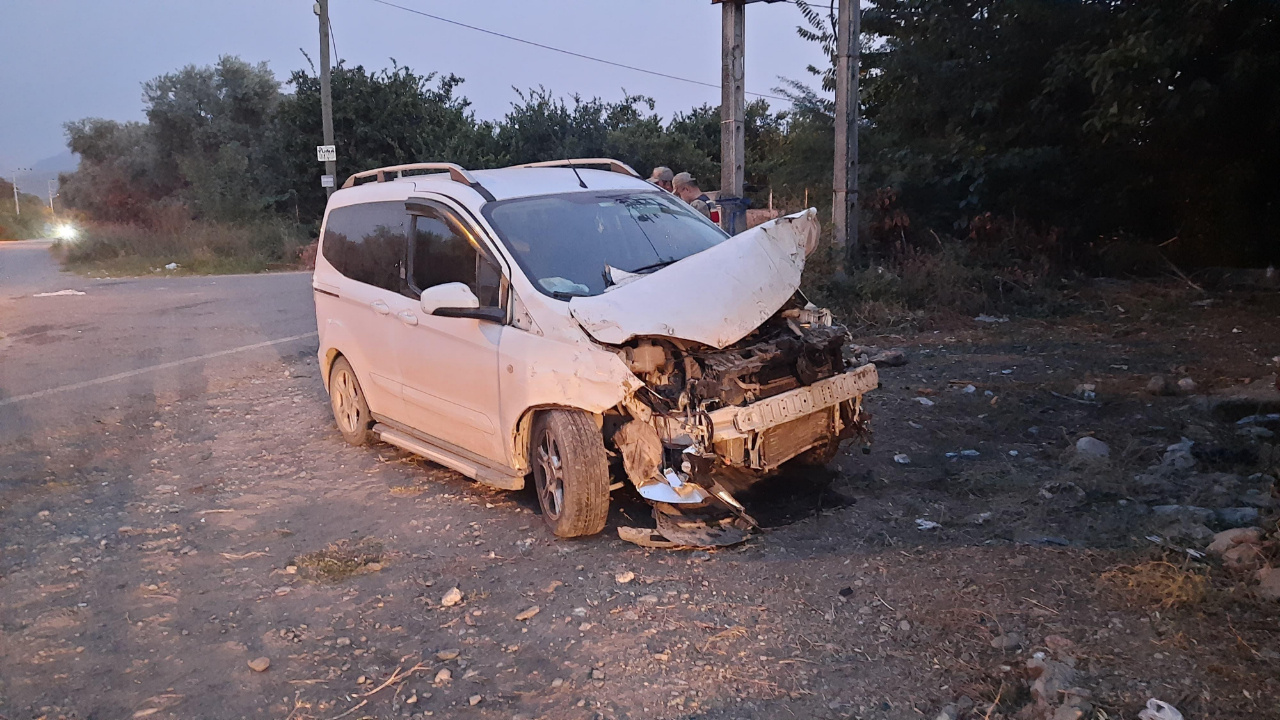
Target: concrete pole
column 326, row 95
column 845, row 207
column 733, row 99
column 17, row 209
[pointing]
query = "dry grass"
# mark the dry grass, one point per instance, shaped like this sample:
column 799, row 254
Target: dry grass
column 1157, row 583
column 340, row 560
column 197, row 247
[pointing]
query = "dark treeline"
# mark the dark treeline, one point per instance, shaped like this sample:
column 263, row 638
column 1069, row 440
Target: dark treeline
column 1059, row 129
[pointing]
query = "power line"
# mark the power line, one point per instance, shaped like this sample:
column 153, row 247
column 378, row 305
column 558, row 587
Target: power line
column 567, row 52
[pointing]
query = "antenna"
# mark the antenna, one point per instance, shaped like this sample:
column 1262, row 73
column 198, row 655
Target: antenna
column 581, row 183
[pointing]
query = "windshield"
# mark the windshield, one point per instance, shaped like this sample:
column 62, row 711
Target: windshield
column 566, row 243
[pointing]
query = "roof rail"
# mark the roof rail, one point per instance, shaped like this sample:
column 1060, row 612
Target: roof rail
column 456, row 173
column 614, row 165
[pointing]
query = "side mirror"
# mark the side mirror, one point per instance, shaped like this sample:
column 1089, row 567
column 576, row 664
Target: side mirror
column 456, row 300
column 449, row 295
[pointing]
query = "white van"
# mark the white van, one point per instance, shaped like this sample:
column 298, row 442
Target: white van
column 576, row 325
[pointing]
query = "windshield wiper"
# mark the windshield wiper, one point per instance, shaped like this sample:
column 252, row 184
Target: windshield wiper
column 563, row 295
column 653, row 267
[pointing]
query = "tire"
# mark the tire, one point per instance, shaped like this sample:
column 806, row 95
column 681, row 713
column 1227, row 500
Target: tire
column 570, row 472
column 346, row 399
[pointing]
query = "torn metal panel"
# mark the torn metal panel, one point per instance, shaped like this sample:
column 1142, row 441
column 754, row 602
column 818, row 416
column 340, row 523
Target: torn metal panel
column 715, row 297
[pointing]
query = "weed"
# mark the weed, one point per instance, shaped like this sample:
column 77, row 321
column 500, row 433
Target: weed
column 1158, row 583
column 198, row 247
column 339, row 560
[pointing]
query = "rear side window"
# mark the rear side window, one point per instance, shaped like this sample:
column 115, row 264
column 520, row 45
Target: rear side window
column 367, row 243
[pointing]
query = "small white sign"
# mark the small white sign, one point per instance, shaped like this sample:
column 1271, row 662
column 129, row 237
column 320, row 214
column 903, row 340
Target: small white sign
column 326, row 181
column 327, row 153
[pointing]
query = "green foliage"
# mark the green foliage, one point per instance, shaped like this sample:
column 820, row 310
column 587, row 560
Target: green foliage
column 1138, row 119
column 29, row 223
column 116, row 180
column 380, row 118
column 197, row 246
column 1067, row 124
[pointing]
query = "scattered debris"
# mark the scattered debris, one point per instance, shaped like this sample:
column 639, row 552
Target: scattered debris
column 60, row 293
column 624, row 577
column 990, row 319
column 1159, row 710
column 528, row 613
column 172, row 266
column 1091, row 449
column 889, row 358
column 1226, row 539
column 922, row 524
column 1237, row 517
column 260, row 664
column 902, row 459
column 451, row 598
column 1086, row 391
column 924, row 401
column 1007, row 641
column 1268, row 583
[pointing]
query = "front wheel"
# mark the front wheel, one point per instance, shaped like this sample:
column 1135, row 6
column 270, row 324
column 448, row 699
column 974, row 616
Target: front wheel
column 571, row 472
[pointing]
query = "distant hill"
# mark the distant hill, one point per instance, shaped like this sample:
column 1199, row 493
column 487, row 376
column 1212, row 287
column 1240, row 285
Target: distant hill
column 37, row 180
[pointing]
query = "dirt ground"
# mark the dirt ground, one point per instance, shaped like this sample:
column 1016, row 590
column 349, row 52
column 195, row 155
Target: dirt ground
column 150, row 555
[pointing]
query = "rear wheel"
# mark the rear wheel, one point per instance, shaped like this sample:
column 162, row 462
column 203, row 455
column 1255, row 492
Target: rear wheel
column 570, row 472
column 349, row 407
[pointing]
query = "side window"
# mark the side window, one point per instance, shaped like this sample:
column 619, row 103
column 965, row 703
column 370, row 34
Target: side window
column 366, row 243
column 441, row 252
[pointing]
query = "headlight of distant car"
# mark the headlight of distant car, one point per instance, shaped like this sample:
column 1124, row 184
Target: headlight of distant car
column 66, row 231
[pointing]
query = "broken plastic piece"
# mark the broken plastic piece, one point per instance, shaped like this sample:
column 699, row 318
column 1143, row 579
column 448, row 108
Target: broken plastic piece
column 1159, row 710
column 662, row 492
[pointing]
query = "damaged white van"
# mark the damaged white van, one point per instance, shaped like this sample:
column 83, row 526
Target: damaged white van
column 584, row 327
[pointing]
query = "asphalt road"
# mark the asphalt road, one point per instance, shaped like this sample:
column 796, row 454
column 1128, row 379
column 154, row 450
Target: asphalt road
column 68, row 361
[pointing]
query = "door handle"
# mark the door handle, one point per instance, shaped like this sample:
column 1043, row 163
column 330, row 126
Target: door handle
column 407, row 317
column 380, row 307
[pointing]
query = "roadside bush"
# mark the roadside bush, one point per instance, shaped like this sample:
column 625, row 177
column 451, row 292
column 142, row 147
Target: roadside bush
column 195, row 245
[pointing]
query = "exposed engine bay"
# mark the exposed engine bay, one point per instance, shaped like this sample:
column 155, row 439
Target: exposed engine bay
column 710, row 422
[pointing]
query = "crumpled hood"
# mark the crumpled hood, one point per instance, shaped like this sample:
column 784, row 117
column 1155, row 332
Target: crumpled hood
column 715, row 297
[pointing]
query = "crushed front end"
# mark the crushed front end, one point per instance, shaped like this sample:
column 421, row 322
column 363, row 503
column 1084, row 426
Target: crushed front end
column 710, row 422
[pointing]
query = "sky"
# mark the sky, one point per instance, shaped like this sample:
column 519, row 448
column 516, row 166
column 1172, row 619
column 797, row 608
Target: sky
column 63, row 60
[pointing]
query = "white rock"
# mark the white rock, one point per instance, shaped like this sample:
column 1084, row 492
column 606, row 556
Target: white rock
column 902, row 459
column 924, row 401
column 1091, row 448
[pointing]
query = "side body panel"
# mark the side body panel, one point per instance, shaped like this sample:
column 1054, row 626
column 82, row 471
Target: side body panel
column 350, row 320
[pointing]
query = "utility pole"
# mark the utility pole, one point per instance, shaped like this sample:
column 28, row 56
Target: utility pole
column 845, row 207
column 733, row 103
column 17, row 209
column 51, row 182
column 326, row 95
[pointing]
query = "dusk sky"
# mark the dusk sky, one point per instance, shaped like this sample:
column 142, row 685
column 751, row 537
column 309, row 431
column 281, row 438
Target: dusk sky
column 63, row 60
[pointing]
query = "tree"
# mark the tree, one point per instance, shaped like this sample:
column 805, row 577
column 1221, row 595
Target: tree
column 116, row 180
column 390, row 117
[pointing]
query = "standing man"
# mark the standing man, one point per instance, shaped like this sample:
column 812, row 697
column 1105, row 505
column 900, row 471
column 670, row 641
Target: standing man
column 686, row 188
column 661, row 177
